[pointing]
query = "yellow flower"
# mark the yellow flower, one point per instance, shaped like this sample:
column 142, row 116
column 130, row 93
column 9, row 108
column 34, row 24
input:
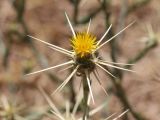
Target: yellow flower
column 83, row 44
column 83, row 57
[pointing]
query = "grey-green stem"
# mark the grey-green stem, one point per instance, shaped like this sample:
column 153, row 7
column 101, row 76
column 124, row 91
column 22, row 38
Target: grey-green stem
column 85, row 97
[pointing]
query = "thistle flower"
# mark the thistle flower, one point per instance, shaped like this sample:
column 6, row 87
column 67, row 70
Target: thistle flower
column 84, row 57
column 10, row 110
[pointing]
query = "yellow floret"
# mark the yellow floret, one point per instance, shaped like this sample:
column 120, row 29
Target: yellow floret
column 83, row 44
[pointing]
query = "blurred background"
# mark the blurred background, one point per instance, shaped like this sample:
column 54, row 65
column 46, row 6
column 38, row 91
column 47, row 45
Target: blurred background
column 45, row 19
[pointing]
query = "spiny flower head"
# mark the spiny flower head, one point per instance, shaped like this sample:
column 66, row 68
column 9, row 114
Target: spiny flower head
column 83, row 58
column 10, row 110
column 83, row 44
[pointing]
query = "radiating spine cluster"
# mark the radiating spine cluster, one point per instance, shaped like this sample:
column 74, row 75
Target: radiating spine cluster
column 83, row 56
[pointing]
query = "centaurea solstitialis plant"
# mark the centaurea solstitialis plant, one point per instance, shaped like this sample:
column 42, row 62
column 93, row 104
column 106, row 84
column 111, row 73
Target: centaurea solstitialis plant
column 84, row 59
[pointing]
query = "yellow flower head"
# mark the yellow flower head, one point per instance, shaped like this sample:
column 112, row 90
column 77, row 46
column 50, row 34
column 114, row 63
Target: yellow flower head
column 84, row 58
column 83, row 44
